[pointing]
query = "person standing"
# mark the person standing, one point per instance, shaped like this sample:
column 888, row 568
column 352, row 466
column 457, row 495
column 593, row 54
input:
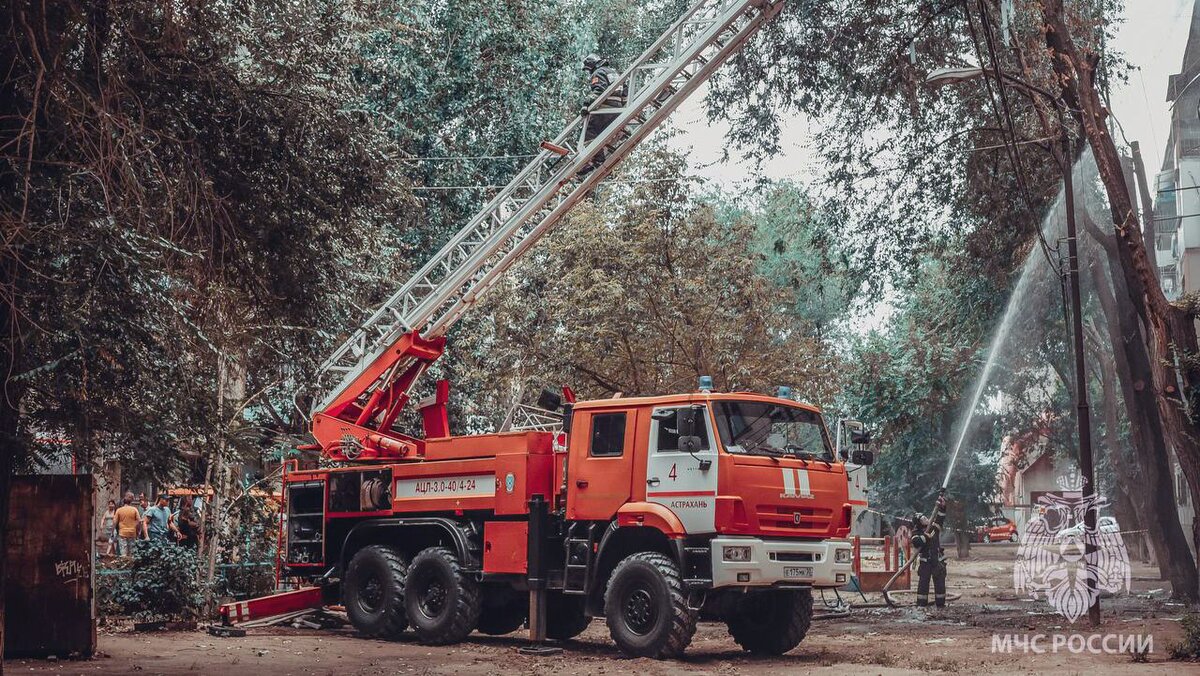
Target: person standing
column 187, row 527
column 127, row 525
column 927, row 540
column 142, row 505
column 158, row 522
column 108, row 526
column 600, row 77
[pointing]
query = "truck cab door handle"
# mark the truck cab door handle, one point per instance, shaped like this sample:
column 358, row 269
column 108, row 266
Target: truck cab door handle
column 581, row 483
column 653, row 481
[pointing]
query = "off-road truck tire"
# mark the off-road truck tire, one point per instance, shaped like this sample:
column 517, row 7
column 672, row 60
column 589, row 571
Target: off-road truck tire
column 771, row 622
column 646, row 607
column 442, row 602
column 373, row 591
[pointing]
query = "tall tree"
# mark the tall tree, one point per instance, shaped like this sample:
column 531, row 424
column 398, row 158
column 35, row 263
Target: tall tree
column 916, row 164
column 1170, row 329
column 642, row 290
column 182, row 184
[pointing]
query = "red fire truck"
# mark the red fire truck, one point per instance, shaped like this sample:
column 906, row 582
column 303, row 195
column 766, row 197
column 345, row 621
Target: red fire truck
column 652, row 512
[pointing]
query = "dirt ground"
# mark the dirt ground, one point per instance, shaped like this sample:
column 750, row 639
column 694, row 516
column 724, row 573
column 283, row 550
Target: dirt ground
column 871, row 641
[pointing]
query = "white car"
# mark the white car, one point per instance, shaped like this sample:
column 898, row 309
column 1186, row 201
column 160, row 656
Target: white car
column 1106, row 524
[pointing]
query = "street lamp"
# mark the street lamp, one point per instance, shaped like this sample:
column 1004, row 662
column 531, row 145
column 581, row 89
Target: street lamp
column 948, row 76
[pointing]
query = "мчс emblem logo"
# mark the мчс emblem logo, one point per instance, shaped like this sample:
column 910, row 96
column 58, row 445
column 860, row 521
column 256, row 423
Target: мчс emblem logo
column 1052, row 559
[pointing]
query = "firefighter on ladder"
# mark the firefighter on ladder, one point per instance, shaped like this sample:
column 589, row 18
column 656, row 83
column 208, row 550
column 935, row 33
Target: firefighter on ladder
column 600, row 77
column 927, row 541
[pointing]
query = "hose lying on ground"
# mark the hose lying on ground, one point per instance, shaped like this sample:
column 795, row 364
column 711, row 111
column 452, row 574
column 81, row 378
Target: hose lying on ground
column 844, row 609
column 889, row 603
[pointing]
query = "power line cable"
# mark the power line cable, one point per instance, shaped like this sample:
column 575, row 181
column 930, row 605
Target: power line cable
column 1004, row 121
column 985, row 24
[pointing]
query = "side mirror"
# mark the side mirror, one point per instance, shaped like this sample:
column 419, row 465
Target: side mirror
column 685, row 424
column 860, row 437
column 549, row 400
column 686, row 421
column 862, row 457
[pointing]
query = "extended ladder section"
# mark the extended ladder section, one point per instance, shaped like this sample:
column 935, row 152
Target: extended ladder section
column 371, row 373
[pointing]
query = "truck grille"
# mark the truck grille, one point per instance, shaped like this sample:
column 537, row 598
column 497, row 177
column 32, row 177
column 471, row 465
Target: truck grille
column 793, row 556
column 790, row 519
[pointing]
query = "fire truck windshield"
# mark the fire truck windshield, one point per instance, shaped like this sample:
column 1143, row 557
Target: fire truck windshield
column 759, row 428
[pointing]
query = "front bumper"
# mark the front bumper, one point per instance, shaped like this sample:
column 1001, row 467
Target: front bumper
column 781, row 563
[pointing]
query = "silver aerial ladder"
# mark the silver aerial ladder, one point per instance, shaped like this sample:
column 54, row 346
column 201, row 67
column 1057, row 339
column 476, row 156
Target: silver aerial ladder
column 368, row 378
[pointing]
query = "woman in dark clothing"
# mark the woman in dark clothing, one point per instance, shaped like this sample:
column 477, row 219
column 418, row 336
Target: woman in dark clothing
column 189, row 527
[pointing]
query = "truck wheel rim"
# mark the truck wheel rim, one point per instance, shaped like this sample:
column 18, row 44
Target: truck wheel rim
column 371, row 596
column 433, row 600
column 639, row 611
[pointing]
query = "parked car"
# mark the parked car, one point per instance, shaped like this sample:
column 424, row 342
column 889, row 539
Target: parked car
column 1106, row 524
column 996, row 529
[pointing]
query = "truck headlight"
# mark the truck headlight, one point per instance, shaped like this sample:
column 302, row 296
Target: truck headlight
column 841, row 556
column 735, row 553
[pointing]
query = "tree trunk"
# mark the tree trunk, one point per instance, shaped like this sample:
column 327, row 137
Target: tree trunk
column 1152, row 471
column 1150, row 228
column 1128, row 480
column 231, row 392
column 1170, row 331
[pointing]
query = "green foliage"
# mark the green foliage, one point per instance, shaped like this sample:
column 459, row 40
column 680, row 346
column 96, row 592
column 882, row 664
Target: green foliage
column 248, row 560
column 192, row 192
column 640, row 291
column 909, row 382
column 799, row 253
column 1189, row 647
column 911, row 166
column 158, row 582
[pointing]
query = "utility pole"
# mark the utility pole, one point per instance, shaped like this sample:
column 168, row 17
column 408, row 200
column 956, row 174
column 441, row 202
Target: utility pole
column 1082, row 409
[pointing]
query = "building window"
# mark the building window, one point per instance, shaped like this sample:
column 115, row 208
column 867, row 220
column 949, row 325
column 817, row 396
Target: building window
column 608, row 435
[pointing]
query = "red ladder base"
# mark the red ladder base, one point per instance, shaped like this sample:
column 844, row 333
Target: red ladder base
column 275, row 604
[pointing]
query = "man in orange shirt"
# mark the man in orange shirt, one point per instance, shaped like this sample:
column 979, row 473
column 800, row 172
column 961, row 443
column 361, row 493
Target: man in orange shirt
column 127, row 522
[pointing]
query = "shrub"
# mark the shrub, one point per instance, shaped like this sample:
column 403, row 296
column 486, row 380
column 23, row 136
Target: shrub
column 157, row 583
column 1189, row 647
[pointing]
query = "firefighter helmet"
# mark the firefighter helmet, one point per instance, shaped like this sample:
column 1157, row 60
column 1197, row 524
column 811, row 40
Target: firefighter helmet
column 593, row 61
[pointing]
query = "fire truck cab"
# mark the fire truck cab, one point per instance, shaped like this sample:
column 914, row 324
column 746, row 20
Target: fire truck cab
column 651, row 512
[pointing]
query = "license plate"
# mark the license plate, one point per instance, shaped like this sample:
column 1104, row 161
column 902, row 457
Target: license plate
column 797, row 571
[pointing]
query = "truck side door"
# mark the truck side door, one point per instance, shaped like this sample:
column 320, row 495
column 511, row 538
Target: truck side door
column 600, row 465
column 674, row 478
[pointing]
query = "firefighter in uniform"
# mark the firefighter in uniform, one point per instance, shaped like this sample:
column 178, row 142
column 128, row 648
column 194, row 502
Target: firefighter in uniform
column 926, row 540
column 600, row 77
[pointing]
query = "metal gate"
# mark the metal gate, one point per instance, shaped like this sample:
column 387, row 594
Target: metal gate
column 49, row 607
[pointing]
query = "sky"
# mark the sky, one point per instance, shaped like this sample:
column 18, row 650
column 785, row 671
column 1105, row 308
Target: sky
column 1152, row 36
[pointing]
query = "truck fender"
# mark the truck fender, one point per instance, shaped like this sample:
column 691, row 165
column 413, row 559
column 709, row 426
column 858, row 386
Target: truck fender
column 653, row 515
column 639, row 526
column 458, row 534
